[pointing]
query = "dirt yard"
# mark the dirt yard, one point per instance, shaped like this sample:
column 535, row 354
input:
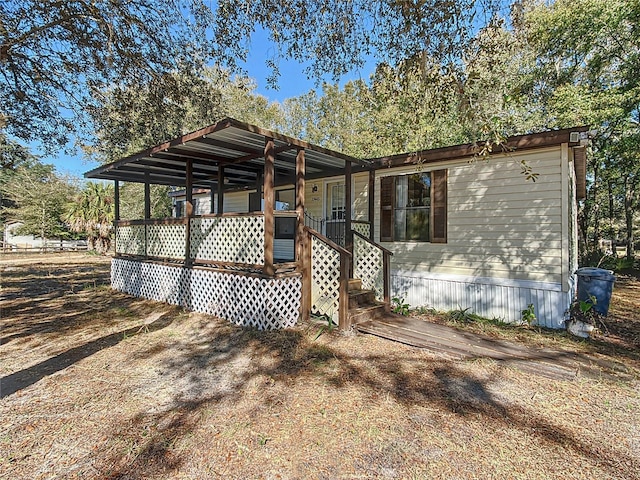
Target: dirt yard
column 99, row 385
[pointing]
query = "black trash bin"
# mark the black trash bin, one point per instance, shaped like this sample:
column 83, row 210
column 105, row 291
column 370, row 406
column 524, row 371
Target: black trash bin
column 598, row 283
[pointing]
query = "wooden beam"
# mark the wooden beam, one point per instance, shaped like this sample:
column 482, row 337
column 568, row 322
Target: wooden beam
column 212, row 197
column 371, row 194
column 348, row 238
column 300, row 243
column 220, row 192
column 269, row 196
column 116, row 200
column 253, row 156
column 116, row 213
column 147, row 196
column 300, row 187
column 343, row 291
column 305, row 301
column 188, row 210
column 511, row 146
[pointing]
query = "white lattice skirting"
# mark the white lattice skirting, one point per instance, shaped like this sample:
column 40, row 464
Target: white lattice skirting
column 264, row 303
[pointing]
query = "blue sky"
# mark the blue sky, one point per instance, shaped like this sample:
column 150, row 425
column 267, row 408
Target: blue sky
column 292, row 82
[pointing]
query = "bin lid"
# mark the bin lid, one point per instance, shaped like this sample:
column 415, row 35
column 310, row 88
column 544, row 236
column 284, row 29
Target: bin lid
column 596, row 273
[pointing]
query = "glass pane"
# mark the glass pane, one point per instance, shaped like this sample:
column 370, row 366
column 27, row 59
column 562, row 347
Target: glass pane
column 402, row 199
column 418, row 194
column 400, row 224
column 417, row 224
column 286, row 199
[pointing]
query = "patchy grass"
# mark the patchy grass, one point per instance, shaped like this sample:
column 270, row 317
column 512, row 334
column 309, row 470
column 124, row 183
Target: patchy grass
column 619, row 336
column 96, row 384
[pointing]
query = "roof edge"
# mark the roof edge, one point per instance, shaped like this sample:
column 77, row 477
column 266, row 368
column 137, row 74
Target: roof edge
column 529, row 141
column 222, row 124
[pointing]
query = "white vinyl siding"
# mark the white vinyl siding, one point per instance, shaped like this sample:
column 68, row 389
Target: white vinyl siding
column 499, row 224
column 314, row 201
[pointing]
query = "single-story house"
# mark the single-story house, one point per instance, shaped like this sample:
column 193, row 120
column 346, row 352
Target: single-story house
column 439, row 228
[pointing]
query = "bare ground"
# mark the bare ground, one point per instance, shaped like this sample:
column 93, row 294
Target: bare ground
column 96, row 384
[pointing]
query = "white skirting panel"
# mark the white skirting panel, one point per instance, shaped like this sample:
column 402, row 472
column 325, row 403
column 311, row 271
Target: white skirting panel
column 264, row 303
column 487, row 297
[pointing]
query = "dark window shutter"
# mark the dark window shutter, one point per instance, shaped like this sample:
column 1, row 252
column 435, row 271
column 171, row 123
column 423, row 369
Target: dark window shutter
column 580, row 166
column 439, row 206
column 387, row 196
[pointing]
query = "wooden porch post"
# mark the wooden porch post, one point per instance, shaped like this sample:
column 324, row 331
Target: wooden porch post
column 188, row 211
column 147, row 197
column 220, row 191
column 300, row 187
column 116, row 199
column 116, row 213
column 212, row 198
column 371, row 197
column 269, row 219
column 348, row 237
column 147, row 212
column 304, row 263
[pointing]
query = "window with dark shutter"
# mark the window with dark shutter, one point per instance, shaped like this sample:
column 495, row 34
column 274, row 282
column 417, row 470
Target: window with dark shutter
column 387, row 196
column 414, row 207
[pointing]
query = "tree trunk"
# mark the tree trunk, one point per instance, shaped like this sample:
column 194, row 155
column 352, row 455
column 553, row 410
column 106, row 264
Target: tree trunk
column 42, row 230
column 629, row 194
column 596, row 209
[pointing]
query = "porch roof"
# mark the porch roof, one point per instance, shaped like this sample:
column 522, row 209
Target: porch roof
column 236, row 146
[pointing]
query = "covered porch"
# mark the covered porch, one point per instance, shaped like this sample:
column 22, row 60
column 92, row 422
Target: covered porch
column 260, row 266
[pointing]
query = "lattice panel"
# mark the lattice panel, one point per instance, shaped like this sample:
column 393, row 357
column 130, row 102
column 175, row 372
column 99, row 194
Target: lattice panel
column 264, row 303
column 368, row 266
column 130, row 239
column 166, row 241
column 228, row 239
column 325, row 279
column 362, row 228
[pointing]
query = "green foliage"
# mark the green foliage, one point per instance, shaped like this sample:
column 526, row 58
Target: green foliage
column 586, row 72
column 329, row 327
column 399, row 306
column 461, row 315
column 529, row 315
column 37, row 198
column 583, row 311
column 132, row 201
column 92, row 213
column 132, row 117
column 54, row 54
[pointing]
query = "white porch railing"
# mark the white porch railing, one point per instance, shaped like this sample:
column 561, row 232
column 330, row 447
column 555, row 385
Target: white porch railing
column 329, row 264
column 371, row 264
column 237, row 239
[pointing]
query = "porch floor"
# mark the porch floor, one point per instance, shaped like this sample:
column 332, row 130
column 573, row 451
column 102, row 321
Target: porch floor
column 461, row 345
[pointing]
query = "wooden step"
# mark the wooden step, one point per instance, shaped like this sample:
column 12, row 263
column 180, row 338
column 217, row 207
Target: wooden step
column 361, row 298
column 355, row 284
column 365, row 314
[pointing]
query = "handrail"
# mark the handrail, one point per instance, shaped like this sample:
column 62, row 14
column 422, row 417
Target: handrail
column 328, row 241
column 285, row 213
column 152, row 221
column 343, row 276
column 386, row 268
column 178, row 220
column 368, row 240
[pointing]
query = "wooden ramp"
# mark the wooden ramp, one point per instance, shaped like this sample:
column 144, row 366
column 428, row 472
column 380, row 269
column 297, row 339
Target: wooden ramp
column 462, row 345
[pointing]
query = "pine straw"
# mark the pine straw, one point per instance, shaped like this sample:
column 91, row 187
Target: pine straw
column 129, row 389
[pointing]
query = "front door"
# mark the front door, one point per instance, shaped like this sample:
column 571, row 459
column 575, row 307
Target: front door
column 335, row 212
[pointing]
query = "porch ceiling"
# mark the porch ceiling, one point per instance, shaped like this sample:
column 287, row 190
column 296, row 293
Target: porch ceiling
column 237, row 147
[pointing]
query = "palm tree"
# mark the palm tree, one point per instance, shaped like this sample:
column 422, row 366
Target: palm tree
column 92, row 212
